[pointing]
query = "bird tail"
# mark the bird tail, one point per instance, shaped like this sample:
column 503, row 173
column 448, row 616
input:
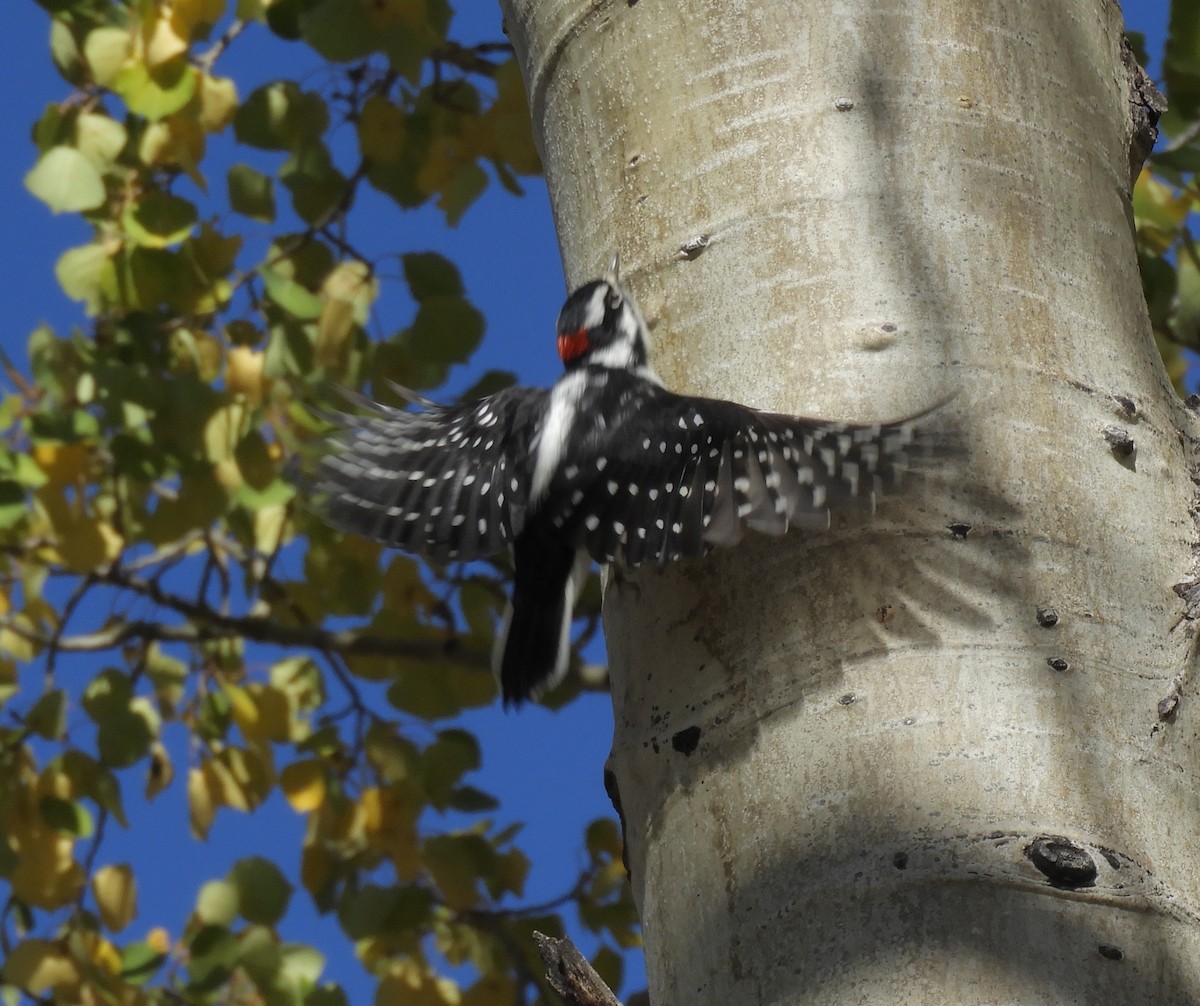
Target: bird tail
column 534, row 643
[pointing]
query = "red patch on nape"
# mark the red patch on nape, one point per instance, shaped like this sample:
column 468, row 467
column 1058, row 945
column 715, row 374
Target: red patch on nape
column 573, row 344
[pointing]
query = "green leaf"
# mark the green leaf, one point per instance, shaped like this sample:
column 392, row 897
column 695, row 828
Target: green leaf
column 48, row 717
column 467, row 184
column 394, row 361
column 431, row 275
column 139, row 962
column 66, row 816
column 105, row 50
column 217, row 903
column 66, row 181
column 445, row 761
column 445, row 330
column 99, row 138
column 471, row 800
column 83, row 273
column 436, row 691
column 160, row 93
column 489, row 384
column 251, row 193
column 14, row 507
column 326, row 995
column 317, row 187
column 91, row 779
column 279, row 116
column 263, row 892
column 1181, row 62
column 456, row 862
column 168, row 675
column 107, row 694
column 213, row 953
column 340, row 30
column 123, row 738
column 374, row 910
column 298, row 301
column 610, row 966
column 299, row 968
column 159, row 219
column 1185, row 320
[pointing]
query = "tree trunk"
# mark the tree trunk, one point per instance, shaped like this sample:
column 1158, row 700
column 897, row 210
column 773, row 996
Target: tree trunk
column 947, row 755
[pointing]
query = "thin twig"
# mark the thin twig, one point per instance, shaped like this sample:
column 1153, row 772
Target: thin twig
column 206, row 59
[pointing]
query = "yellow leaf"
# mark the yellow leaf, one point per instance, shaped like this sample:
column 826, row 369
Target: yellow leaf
column 270, row 528
column 190, row 18
column 218, row 102
column 115, row 891
column 106, row 50
column 390, row 826
column 99, row 138
column 83, row 541
column 261, row 712
column 446, row 154
column 244, row 373
column 159, row 940
column 38, row 966
column 224, row 430
column 407, row 986
column 202, row 802
column 316, row 867
column 66, row 181
column 303, row 783
column 101, row 952
column 334, row 328
column 161, row 42
column 381, row 130
column 46, row 874
column 242, row 705
column 217, row 903
column 161, row 772
column 175, row 141
column 62, row 463
column 82, row 273
column 347, row 294
column 17, row 646
column 240, row 777
column 395, row 12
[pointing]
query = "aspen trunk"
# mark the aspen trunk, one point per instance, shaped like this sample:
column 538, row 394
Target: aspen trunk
column 947, row 755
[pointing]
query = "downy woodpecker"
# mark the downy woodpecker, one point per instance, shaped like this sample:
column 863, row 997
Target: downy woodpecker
column 606, row 465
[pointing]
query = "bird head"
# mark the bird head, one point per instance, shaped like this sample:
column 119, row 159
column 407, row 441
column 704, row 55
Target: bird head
column 600, row 325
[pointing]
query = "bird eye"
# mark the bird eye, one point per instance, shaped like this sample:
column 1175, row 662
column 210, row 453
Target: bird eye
column 614, row 299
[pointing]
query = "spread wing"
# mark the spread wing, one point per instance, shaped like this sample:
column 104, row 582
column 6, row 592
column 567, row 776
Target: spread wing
column 441, row 482
column 688, row 474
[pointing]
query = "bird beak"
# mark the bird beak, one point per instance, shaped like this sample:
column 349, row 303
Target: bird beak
column 614, row 269
column 572, row 344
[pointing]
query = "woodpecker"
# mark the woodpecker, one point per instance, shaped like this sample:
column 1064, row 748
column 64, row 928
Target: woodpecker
column 607, row 465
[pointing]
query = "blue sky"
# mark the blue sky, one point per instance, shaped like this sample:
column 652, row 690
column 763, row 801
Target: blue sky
column 508, row 255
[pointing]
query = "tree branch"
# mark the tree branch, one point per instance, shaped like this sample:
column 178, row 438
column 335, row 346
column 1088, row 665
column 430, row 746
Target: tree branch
column 571, row 975
column 258, row 630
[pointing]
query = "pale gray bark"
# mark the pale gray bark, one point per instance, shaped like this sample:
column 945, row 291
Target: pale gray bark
column 895, row 763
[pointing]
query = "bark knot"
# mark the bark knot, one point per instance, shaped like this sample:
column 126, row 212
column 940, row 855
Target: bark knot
column 1064, row 862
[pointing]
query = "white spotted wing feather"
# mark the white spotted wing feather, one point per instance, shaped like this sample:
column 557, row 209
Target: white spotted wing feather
column 691, row 474
column 442, row 482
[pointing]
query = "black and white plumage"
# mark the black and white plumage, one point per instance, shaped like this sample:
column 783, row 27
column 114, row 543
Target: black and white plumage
column 606, row 465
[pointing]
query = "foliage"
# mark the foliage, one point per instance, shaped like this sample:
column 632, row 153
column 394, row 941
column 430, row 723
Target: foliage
column 1166, row 196
column 143, row 491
